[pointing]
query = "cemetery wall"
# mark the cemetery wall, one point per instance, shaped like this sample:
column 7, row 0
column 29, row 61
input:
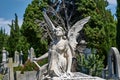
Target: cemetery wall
column 28, row 75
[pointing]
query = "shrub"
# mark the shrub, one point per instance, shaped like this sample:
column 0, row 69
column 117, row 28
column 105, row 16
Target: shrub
column 91, row 65
column 29, row 66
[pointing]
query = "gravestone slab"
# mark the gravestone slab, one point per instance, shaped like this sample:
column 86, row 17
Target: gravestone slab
column 16, row 58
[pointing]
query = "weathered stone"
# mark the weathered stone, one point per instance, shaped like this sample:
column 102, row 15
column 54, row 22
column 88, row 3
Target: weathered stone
column 10, row 66
column 77, row 76
column 114, row 63
column 62, row 49
column 6, row 77
column 21, row 58
column 16, row 58
column 28, row 75
column 4, row 55
column 31, row 54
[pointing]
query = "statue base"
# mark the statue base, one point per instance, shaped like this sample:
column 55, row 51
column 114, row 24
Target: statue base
column 77, row 76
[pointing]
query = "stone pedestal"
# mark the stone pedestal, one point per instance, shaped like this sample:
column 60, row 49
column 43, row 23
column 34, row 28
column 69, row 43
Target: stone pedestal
column 77, row 76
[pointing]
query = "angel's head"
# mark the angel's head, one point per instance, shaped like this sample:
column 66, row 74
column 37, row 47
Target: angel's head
column 59, row 31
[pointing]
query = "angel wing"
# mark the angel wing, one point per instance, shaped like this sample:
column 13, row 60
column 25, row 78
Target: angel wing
column 50, row 27
column 73, row 32
column 48, row 21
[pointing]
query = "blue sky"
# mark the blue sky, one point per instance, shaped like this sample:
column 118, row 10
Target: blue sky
column 112, row 6
column 7, row 10
column 9, row 7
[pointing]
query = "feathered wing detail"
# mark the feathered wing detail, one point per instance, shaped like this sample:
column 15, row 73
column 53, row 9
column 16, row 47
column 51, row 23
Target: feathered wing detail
column 73, row 32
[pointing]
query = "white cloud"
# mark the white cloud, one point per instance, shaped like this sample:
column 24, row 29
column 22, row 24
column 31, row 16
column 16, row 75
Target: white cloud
column 112, row 2
column 4, row 24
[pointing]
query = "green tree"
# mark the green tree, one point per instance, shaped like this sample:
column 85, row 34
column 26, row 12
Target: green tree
column 118, row 25
column 23, row 46
column 14, row 35
column 31, row 30
column 91, row 64
column 3, row 41
column 100, row 32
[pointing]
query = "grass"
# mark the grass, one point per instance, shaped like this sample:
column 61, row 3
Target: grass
column 1, row 76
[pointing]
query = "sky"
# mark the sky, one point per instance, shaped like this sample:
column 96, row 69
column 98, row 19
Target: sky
column 9, row 7
column 112, row 6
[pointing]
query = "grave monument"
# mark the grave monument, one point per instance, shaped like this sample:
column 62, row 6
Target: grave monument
column 31, row 54
column 4, row 60
column 61, row 51
column 21, row 58
column 16, row 58
column 112, row 70
column 63, row 45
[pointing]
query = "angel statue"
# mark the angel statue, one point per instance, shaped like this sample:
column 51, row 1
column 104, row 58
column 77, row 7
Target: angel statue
column 62, row 49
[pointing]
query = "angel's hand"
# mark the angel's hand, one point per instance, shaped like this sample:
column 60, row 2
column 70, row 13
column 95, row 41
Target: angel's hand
column 35, row 59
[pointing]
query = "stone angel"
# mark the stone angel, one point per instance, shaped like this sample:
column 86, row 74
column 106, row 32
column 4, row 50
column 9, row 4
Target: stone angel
column 62, row 49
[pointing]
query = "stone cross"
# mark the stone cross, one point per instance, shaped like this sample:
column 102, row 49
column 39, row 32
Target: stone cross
column 10, row 66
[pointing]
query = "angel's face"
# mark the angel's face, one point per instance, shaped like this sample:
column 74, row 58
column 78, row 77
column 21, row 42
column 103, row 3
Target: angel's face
column 59, row 32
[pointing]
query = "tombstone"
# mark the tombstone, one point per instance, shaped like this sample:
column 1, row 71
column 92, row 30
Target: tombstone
column 16, row 57
column 7, row 56
column 114, row 63
column 4, row 57
column 28, row 54
column 31, row 54
column 21, row 58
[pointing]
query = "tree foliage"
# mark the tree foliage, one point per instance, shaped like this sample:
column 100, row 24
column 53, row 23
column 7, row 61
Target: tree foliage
column 30, row 28
column 100, row 32
column 91, row 64
column 3, row 41
column 118, row 25
column 23, row 46
column 14, row 35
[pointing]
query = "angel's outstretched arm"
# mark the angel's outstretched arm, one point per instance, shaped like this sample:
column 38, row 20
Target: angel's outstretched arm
column 42, row 57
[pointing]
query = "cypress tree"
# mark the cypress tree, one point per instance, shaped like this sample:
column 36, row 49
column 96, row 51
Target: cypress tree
column 118, row 25
column 14, row 35
column 31, row 30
